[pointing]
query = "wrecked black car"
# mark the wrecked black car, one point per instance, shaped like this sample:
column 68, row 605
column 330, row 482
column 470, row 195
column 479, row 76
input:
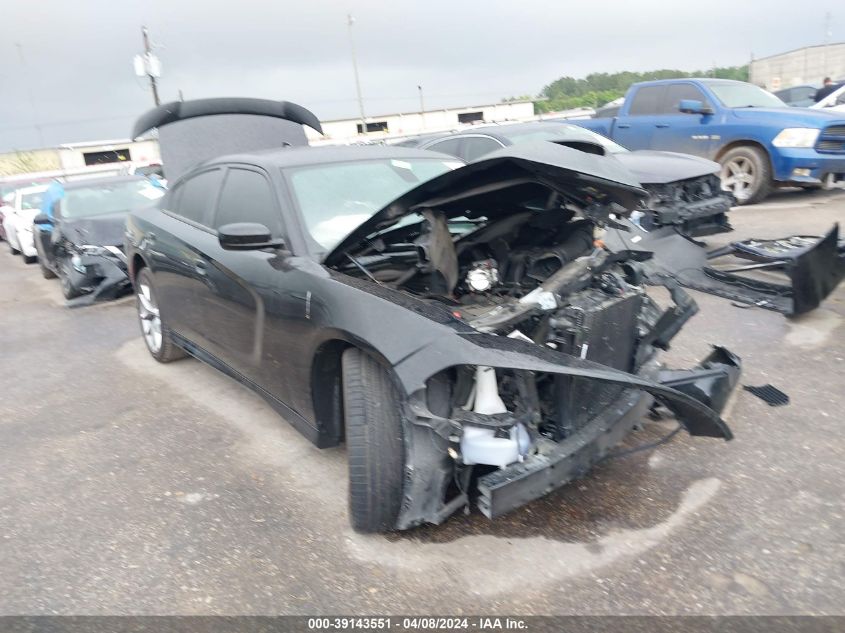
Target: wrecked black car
column 684, row 191
column 79, row 238
column 458, row 327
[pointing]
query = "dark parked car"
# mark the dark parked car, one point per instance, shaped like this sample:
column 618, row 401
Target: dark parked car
column 456, row 326
column 80, row 238
column 798, row 96
column 684, row 191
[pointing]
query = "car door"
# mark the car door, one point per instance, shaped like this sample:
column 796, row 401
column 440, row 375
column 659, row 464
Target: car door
column 244, row 294
column 676, row 131
column 177, row 245
column 636, row 127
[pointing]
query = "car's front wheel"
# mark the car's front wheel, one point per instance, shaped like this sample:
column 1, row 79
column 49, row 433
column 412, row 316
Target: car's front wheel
column 29, row 259
column 747, row 174
column 69, row 289
column 45, row 272
column 155, row 331
column 374, row 443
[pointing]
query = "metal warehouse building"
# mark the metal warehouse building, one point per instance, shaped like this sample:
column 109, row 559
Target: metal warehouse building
column 809, row 65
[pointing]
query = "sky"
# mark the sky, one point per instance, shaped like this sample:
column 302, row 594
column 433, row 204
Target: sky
column 66, row 67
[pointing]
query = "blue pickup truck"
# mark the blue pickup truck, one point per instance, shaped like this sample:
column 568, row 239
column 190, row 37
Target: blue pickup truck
column 759, row 141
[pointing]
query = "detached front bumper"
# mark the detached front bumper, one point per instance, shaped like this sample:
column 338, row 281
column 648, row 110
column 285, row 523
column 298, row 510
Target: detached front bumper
column 806, row 166
column 555, row 464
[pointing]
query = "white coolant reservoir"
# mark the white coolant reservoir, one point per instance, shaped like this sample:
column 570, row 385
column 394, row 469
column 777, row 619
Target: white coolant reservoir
column 480, row 445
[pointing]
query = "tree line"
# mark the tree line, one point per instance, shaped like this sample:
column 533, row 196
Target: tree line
column 597, row 89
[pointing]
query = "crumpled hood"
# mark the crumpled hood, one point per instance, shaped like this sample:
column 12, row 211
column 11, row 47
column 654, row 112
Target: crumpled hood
column 587, row 177
column 101, row 230
column 652, row 167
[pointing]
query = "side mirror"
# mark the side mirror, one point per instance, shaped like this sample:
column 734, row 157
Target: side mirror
column 41, row 219
column 694, row 106
column 246, row 236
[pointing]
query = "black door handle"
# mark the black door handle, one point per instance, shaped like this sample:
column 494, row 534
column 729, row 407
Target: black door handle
column 661, row 125
column 623, row 125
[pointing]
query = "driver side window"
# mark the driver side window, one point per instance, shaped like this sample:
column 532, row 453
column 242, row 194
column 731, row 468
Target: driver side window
column 248, row 197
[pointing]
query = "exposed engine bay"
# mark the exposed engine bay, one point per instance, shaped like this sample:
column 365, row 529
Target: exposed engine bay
column 536, row 273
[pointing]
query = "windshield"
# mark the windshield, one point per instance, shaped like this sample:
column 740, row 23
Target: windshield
column 740, row 95
column 336, row 198
column 105, row 198
column 561, row 132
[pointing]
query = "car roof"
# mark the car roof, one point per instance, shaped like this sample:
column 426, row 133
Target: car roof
column 703, row 80
column 499, row 131
column 35, row 189
column 85, row 183
column 302, row 156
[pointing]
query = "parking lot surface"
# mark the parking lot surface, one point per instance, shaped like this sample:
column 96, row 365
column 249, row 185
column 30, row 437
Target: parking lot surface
column 132, row 487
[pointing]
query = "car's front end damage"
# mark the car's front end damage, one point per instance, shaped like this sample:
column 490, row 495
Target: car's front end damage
column 684, row 192
column 550, row 354
column 98, row 273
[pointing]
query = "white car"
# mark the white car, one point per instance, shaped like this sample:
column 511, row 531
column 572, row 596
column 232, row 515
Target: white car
column 20, row 210
column 835, row 101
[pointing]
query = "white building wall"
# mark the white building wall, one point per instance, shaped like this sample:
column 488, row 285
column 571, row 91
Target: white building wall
column 72, row 156
column 416, row 123
column 803, row 66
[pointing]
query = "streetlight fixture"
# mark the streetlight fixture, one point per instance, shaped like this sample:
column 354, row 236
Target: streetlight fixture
column 349, row 22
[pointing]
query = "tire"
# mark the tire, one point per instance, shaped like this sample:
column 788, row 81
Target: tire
column 45, row 272
column 375, row 448
column 69, row 290
column 29, row 259
column 165, row 351
column 747, row 173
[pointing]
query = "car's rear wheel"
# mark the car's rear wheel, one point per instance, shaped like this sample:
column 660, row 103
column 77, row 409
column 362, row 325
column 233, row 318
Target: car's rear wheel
column 374, row 443
column 153, row 328
column 746, row 173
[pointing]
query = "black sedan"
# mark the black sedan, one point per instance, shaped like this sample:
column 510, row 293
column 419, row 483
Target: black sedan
column 80, row 237
column 684, row 191
column 456, row 326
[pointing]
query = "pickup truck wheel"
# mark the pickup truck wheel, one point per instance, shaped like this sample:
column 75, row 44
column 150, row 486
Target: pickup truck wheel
column 746, row 173
column 154, row 329
column 374, row 444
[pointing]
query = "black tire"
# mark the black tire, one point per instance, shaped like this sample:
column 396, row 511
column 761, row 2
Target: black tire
column 29, row 259
column 168, row 350
column 45, row 272
column 375, row 448
column 69, row 290
column 760, row 185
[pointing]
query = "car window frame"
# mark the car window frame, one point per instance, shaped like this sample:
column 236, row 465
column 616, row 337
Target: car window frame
column 477, row 135
column 274, row 194
column 669, row 108
column 660, row 99
column 432, row 146
column 178, row 191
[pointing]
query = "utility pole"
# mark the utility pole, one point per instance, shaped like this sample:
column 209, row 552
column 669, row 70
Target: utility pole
column 422, row 106
column 32, row 105
column 828, row 17
column 349, row 22
column 148, row 54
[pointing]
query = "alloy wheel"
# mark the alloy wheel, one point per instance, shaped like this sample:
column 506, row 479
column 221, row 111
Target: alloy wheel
column 150, row 319
column 739, row 176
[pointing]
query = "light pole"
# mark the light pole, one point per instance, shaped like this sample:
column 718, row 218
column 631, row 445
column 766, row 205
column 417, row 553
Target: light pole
column 148, row 65
column 349, row 22
column 422, row 107
column 35, row 116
